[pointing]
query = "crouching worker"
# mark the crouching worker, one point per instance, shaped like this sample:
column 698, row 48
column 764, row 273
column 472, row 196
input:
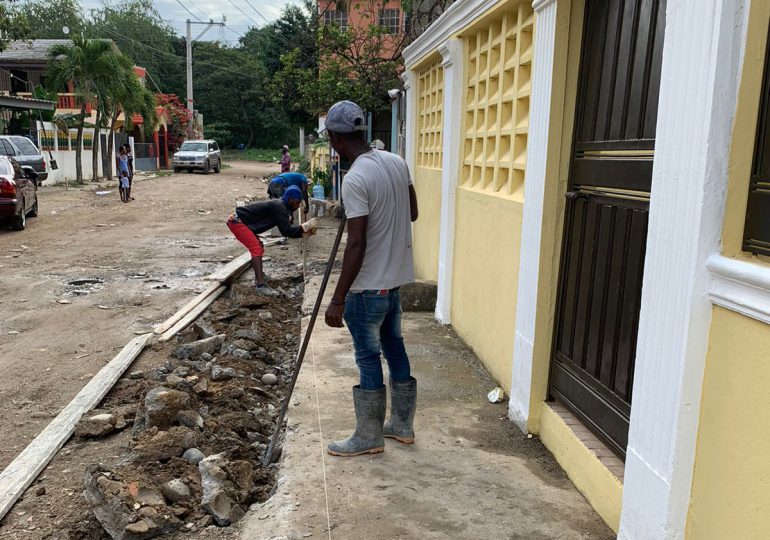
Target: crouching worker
column 380, row 204
column 249, row 221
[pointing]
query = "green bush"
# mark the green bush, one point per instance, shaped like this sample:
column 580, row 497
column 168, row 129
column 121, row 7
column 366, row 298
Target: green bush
column 220, row 132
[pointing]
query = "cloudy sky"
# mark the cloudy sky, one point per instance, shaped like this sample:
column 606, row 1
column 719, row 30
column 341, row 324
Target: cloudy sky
column 240, row 15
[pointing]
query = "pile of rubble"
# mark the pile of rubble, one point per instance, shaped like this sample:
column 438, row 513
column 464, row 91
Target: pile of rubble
column 200, row 423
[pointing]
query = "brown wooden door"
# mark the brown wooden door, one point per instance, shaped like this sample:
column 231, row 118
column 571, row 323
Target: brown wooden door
column 605, row 228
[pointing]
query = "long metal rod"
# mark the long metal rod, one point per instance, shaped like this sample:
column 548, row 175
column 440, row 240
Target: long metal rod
column 267, row 458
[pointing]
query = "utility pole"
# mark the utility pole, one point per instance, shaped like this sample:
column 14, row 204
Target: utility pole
column 189, row 42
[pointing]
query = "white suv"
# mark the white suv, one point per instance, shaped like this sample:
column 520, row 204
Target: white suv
column 201, row 155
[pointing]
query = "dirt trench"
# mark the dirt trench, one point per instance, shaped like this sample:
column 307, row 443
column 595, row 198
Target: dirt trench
column 115, row 473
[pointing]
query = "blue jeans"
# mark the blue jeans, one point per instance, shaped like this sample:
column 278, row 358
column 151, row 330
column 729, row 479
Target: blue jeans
column 374, row 321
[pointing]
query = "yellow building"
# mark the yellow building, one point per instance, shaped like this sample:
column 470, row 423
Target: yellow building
column 594, row 187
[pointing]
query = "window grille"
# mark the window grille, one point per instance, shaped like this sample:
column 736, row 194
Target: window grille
column 390, row 20
column 430, row 119
column 497, row 103
column 338, row 17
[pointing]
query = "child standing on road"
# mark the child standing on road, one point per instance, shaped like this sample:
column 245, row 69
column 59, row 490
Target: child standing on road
column 124, row 186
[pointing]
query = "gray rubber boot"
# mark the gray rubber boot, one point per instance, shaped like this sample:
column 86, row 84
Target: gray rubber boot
column 370, row 415
column 403, row 402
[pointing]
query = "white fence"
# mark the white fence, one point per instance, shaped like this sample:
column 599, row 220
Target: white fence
column 61, row 145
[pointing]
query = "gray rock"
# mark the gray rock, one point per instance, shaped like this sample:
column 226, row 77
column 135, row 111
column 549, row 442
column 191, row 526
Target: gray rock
column 245, row 344
column 96, row 426
column 199, row 365
column 113, row 506
column 201, row 387
column 138, row 374
column 162, row 405
column 193, row 455
column 251, row 334
column 219, row 373
column 269, row 379
column 175, row 490
column 216, row 485
column 203, row 329
column 206, row 357
column 197, row 348
column 242, row 354
column 156, row 375
column 174, row 380
column 149, row 497
column 265, row 315
column 190, row 419
column 182, row 371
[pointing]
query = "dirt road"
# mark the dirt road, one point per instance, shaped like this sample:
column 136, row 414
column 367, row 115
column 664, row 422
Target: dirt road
column 90, row 272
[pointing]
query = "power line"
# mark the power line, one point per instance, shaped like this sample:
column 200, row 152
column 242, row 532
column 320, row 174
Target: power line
column 172, row 55
column 242, row 12
column 188, row 10
column 258, row 12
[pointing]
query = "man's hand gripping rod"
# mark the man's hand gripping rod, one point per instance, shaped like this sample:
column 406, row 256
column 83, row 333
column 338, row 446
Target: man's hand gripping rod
column 268, row 457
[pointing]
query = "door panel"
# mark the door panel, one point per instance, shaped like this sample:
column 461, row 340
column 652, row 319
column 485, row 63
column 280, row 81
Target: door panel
column 597, row 312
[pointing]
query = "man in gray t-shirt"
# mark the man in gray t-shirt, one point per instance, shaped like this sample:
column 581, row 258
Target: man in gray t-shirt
column 380, row 204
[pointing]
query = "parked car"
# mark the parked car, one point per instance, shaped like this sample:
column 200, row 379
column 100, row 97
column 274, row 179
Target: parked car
column 18, row 192
column 25, row 153
column 198, row 155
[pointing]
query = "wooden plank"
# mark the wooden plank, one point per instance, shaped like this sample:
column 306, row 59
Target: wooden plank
column 235, row 266
column 192, row 315
column 23, row 470
column 189, row 306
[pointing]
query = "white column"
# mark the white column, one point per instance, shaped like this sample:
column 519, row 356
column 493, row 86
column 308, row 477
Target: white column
column 410, row 87
column 453, row 64
column 534, row 197
column 701, row 59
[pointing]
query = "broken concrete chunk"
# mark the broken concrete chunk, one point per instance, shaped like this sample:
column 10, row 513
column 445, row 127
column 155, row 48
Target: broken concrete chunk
column 248, row 333
column 96, row 426
column 197, row 348
column 193, row 455
column 219, row 492
column 245, row 344
column 219, row 373
column 175, row 490
column 147, row 496
column 201, row 387
column 162, row 405
column 242, row 354
column 203, row 329
column 162, row 445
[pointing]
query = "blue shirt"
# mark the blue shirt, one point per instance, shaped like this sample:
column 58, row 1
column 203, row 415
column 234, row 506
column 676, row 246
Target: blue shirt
column 291, row 179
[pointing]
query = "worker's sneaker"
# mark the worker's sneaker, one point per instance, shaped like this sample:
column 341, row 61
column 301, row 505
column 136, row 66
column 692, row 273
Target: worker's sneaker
column 370, row 415
column 403, row 402
column 264, row 290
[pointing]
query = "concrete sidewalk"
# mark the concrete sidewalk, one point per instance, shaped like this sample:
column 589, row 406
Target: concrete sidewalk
column 470, row 475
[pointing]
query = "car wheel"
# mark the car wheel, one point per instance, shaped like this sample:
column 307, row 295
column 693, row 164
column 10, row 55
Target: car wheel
column 190, row 170
column 19, row 223
column 176, row 170
column 207, row 168
column 218, row 168
column 33, row 211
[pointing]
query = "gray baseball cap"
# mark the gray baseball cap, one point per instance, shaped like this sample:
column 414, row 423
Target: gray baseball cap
column 345, row 117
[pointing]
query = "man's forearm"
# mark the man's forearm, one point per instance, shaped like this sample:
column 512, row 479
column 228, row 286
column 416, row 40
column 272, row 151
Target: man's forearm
column 351, row 265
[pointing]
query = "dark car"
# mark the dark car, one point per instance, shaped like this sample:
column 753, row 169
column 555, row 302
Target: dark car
column 25, row 153
column 18, row 192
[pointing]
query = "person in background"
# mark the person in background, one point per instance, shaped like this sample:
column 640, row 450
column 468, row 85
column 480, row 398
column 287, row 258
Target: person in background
column 282, row 182
column 123, row 174
column 380, row 204
column 285, row 159
column 249, row 221
column 130, row 170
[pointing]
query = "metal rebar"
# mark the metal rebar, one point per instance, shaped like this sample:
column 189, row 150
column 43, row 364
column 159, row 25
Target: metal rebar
column 268, row 457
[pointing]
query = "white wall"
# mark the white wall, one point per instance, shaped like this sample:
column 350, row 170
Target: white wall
column 65, row 159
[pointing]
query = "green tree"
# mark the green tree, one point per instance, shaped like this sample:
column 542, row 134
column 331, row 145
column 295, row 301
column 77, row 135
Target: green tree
column 87, row 64
column 13, row 25
column 47, row 18
column 146, row 38
column 122, row 94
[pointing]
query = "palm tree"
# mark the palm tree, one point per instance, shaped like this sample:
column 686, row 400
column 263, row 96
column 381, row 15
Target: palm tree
column 127, row 95
column 88, row 65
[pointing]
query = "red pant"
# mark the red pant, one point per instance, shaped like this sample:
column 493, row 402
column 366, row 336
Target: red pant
column 246, row 237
